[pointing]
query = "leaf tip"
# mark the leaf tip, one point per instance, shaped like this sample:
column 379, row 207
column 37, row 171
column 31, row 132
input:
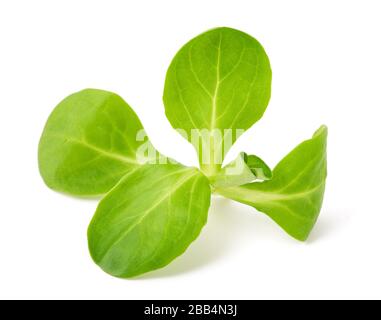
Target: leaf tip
column 323, row 130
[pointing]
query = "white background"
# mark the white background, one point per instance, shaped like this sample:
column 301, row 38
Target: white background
column 326, row 60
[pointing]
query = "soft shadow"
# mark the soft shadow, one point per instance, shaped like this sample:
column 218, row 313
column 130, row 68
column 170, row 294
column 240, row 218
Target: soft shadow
column 227, row 224
column 230, row 226
column 327, row 224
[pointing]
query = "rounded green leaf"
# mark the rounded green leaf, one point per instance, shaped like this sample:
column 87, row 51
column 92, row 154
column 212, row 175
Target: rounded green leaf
column 89, row 143
column 148, row 219
column 220, row 80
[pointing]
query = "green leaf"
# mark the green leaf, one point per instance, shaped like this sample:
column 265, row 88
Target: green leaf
column 293, row 198
column 89, row 143
column 258, row 167
column 218, row 85
column 244, row 169
column 149, row 219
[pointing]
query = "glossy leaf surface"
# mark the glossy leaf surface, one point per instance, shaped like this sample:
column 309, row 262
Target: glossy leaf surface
column 89, row 143
column 219, row 82
column 149, row 219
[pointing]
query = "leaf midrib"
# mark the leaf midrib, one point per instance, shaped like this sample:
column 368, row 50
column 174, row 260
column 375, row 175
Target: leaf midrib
column 254, row 196
column 217, row 87
column 165, row 233
column 148, row 211
column 108, row 154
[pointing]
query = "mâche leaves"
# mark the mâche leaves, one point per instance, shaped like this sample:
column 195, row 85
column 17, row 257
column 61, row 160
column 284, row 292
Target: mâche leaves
column 258, row 167
column 149, row 219
column 293, row 198
column 217, row 86
column 244, row 169
column 219, row 82
column 89, row 143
